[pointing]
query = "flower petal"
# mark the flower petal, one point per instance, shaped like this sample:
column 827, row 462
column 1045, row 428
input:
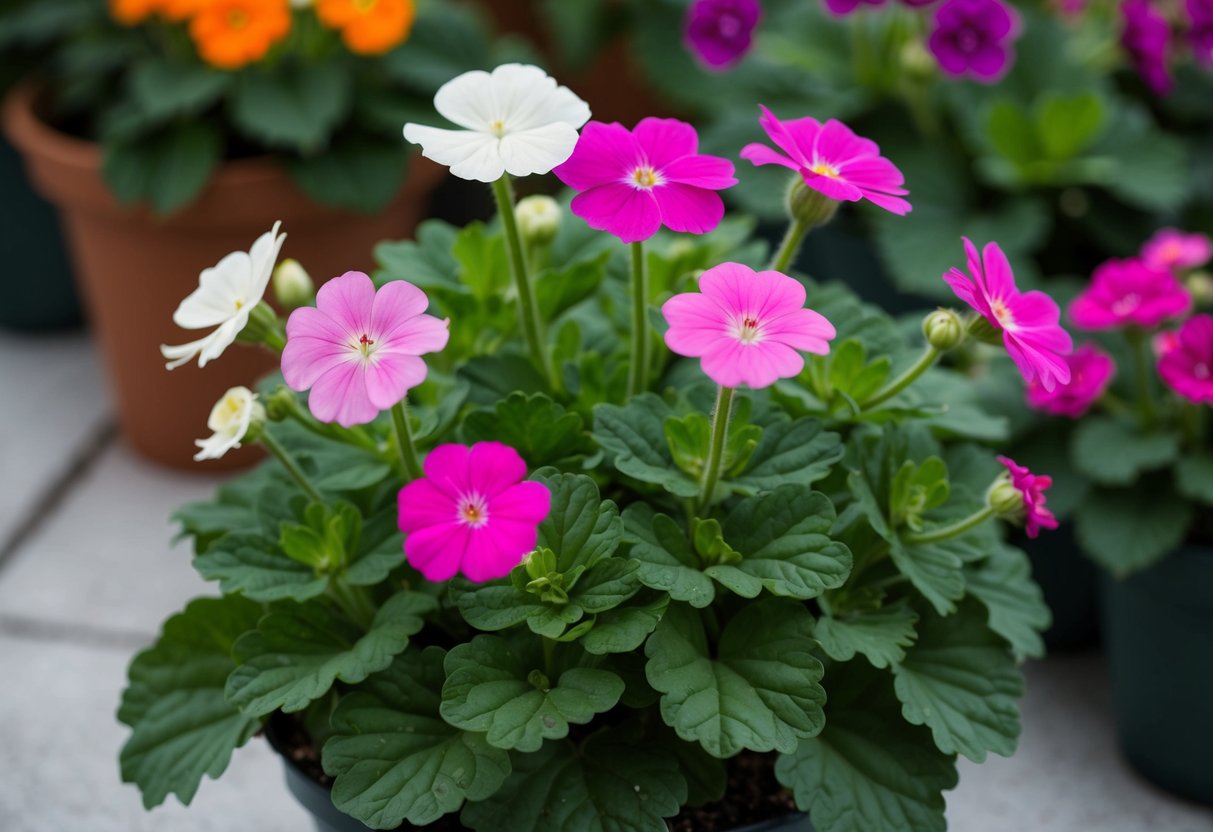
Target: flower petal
column 528, row 97
column 438, row 551
column 760, row 154
column 348, row 301
column 524, row 502
column 446, row 466
column 494, row 467
column 605, row 153
column 469, row 155
column 390, row 377
column 689, row 209
column 340, row 396
column 396, row 303
column 697, row 323
column 537, row 150
column 663, row 140
column 468, row 100
column 710, row 172
column 631, row 214
column 496, row 548
column 421, row 504
column 305, row 359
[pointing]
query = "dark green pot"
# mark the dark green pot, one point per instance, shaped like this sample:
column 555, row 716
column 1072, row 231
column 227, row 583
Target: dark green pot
column 1158, row 634
column 36, row 290
column 1070, row 583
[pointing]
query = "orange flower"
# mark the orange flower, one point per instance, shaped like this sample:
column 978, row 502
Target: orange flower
column 232, row 33
column 368, row 27
column 131, row 12
column 178, row 10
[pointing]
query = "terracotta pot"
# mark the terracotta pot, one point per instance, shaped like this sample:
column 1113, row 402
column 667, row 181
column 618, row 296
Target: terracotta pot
column 134, row 268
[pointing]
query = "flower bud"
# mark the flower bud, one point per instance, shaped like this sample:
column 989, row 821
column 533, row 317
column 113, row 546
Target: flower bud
column 236, row 419
column 916, row 61
column 280, row 404
column 1200, row 286
column 293, row 286
column 1005, row 499
column 944, row 329
column 810, row 207
column 538, row 219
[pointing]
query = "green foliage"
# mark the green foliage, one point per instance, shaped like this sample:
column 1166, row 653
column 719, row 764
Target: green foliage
column 169, row 168
column 535, row 426
column 1017, row 610
column 881, row 636
column 1194, row 478
column 1128, row 529
column 1114, row 452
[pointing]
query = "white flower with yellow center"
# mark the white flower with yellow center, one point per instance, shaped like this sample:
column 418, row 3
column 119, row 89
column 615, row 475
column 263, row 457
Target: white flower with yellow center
column 230, row 420
column 516, row 120
column 226, row 295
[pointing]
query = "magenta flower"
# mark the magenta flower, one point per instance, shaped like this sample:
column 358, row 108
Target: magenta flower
column 1200, row 31
column 975, row 38
column 1173, row 250
column 1147, row 37
column 1091, row 370
column 633, row 182
column 1187, row 366
column 1032, row 487
column 1128, row 293
column 721, row 32
column 472, row 513
column 1028, row 321
column 746, row 326
column 842, row 8
column 832, row 160
column 357, row 349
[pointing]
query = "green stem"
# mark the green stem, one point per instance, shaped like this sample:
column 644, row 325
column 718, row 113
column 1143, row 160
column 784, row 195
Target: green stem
column 288, row 462
column 951, row 530
column 404, row 441
column 924, row 363
column 532, row 326
column 783, row 258
column 354, row 601
column 349, row 436
column 638, row 369
column 720, row 433
column 1141, row 365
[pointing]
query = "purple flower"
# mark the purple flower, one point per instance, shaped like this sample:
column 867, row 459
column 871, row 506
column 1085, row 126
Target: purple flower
column 1146, row 37
column 721, row 32
column 1200, row 35
column 842, row 8
column 974, row 37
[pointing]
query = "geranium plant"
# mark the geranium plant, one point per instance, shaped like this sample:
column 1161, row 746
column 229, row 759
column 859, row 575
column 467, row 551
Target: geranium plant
column 592, row 518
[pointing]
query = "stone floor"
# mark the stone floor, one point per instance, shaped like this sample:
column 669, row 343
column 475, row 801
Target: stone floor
column 88, row 570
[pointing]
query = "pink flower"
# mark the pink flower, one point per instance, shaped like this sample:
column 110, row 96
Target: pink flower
column 1129, row 293
column 1187, row 367
column 975, row 37
column 1171, row 249
column 746, row 326
column 1032, row 487
column 832, row 160
column 358, row 349
column 633, row 182
column 1091, row 369
column 1028, row 321
column 721, row 32
column 471, row 513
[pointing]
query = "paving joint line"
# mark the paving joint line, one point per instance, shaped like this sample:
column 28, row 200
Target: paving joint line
column 66, row 632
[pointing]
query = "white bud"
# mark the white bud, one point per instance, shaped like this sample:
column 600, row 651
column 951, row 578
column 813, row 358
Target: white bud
column 538, row 219
column 237, row 417
column 293, row 286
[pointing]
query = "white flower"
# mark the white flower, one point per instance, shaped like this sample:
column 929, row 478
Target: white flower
column 517, row 121
column 230, row 420
column 226, row 295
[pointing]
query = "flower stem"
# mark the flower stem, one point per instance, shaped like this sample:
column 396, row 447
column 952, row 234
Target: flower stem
column 638, row 369
column 1141, row 366
column 924, row 363
column 532, row 326
column 354, row 601
column 951, row 530
column 348, row 436
column 288, row 462
column 404, row 441
column 783, row 258
column 720, row 433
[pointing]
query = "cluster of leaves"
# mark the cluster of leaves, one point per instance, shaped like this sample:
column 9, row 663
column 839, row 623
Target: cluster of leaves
column 608, row 680
column 166, row 120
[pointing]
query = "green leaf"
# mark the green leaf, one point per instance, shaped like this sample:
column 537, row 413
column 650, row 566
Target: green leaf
column 581, row 528
column 380, row 550
column 868, row 770
column 298, row 651
column 355, row 174
column 606, row 585
column 169, row 168
column 960, row 680
column 1068, row 124
column 395, row 759
column 760, row 689
column 1010, row 131
column 556, row 291
column 881, row 636
column 493, row 377
column 934, row 569
column 1114, row 452
column 1017, row 610
column 541, row 430
column 1194, row 477
column 796, row 452
column 163, row 88
column 603, row 786
column 256, row 567
column 1126, row 530
column 851, row 374
column 295, row 106
column 667, row 561
column 425, row 262
column 183, row 728
column 634, row 436
column 490, row 689
column 624, row 629
column 481, row 258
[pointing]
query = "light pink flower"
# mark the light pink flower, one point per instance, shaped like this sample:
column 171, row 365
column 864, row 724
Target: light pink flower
column 1129, row 293
column 746, row 326
column 1187, row 367
column 1029, row 321
column 357, row 349
column 472, row 513
column 1032, row 487
column 832, row 160
column 634, row 181
column 1091, row 369
column 1171, row 249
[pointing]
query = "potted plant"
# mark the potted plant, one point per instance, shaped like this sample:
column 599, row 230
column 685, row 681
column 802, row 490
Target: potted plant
column 166, row 131
column 567, row 531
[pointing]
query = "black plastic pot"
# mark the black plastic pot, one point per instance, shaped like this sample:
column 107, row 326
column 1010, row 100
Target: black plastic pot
column 1158, row 634
column 1070, row 582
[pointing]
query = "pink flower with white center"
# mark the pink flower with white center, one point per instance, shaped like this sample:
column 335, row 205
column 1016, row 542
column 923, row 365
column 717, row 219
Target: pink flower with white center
column 1029, row 321
column 634, row 181
column 747, row 327
column 1091, row 370
column 358, row 349
column 1129, row 293
column 1032, row 488
column 472, row 513
column 1187, row 367
column 1172, row 250
column 832, row 160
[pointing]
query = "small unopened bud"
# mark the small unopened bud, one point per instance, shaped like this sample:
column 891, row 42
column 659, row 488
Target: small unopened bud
column 1200, row 285
column 280, row 404
column 1005, row 499
column 808, row 206
column 538, row 219
column 916, row 61
column 293, row 286
column 944, row 329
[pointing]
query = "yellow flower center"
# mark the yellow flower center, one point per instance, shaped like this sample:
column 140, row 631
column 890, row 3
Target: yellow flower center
column 365, row 6
column 1002, row 314
column 497, row 127
column 237, row 18
column 748, row 330
column 473, row 511
column 366, row 346
column 825, row 169
column 645, row 178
